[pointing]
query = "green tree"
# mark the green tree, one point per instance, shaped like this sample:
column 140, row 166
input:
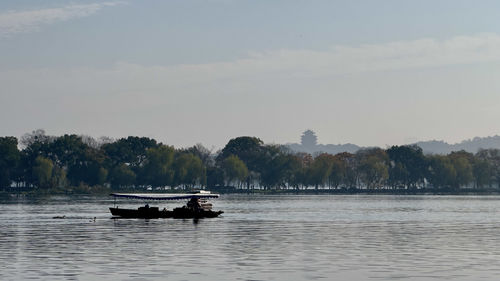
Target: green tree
column 294, row 171
column 131, row 150
column 407, row 166
column 462, row 162
column 373, row 167
column 37, row 136
column 84, row 164
column 201, row 152
column 302, row 168
column 157, row 170
column 273, row 166
column 492, row 157
column 482, row 171
column 59, row 177
column 337, row 172
column 248, row 149
column 234, row 170
column 35, row 144
column 215, row 176
column 189, row 170
column 122, row 176
column 9, row 160
column 320, row 170
column 102, row 176
column 42, row 172
column 67, row 152
column 442, row 172
column 351, row 175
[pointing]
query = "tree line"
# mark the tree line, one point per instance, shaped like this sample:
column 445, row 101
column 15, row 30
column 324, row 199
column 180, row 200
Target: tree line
column 68, row 161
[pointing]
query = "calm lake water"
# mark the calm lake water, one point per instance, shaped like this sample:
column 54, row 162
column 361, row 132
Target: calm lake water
column 260, row 237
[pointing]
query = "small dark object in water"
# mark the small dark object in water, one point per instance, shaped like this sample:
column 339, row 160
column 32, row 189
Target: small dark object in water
column 59, row 217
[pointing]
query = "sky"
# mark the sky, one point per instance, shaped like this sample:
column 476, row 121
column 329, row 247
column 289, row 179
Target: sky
column 373, row 73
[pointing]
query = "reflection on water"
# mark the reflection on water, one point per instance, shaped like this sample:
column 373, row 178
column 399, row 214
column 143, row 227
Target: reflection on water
column 257, row 238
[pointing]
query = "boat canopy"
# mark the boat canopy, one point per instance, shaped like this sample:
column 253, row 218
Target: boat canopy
column 164, row 196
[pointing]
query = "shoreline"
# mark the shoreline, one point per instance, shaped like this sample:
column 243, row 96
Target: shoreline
column 228, row 191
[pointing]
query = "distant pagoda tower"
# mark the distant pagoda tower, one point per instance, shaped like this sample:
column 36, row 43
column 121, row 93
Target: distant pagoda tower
column 309, row 139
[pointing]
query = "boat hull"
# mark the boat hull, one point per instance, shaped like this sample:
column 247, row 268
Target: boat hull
column 187, row 213
column 155, row 213
column 141, row 213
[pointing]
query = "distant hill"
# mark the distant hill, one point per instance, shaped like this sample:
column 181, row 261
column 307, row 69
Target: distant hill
column 327, row 148
column 310, row 145
column 472, row 145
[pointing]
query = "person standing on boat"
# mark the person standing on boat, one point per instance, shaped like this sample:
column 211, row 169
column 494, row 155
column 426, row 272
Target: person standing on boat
column 194, row 204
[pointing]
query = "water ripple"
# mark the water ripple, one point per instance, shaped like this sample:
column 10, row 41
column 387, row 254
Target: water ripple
column 258, row 238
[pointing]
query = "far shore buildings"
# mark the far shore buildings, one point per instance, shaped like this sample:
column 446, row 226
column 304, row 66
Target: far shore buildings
column 309, row 144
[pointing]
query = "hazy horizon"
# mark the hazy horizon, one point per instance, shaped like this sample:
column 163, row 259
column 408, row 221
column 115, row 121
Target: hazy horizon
column 293, row 142
column 186, row 72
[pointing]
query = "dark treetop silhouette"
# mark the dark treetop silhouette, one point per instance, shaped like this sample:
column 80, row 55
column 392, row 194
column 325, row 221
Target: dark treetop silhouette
column 72, row 163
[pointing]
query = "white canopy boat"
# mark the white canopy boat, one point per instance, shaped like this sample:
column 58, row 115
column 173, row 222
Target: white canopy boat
column 197, row 206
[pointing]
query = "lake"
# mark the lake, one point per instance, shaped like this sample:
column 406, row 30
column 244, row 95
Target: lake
column 259, row 237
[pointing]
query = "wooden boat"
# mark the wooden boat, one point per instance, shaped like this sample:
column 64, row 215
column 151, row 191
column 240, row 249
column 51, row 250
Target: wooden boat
column 145, row 212
column 197, row 206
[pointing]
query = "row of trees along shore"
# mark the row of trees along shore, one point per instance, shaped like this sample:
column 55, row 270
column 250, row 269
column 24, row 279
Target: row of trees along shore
column 72, row 163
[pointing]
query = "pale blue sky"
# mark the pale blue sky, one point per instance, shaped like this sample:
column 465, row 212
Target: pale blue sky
column 365, row 72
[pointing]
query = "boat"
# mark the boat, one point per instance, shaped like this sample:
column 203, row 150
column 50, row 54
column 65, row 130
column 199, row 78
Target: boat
column 197, row 206
column 145, row 212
